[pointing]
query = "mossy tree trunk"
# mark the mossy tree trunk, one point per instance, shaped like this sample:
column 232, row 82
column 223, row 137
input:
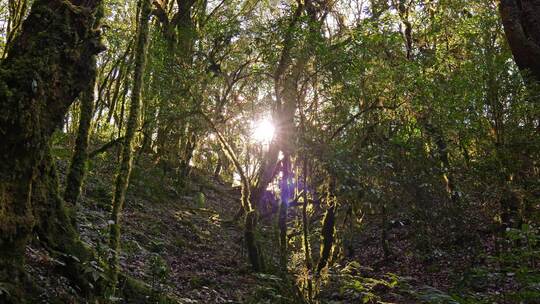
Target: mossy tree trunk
column 58, row 233
column 124, row 169
column 49, row 63
column 285, row 198
column 520, row 19
column 219, row 167
column 436, row 134
column 17, row 11
column 305, row 231
column 78, row 164
column 177, row 137
column 282, row 227
column 328, row 228
column 188, row 148
column 284, row 95
column 384, row 231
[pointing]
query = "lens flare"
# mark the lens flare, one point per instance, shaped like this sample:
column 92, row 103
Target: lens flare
column 263, row 131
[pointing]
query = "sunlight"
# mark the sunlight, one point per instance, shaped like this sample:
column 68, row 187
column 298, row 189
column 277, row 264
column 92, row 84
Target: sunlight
column 263, row 131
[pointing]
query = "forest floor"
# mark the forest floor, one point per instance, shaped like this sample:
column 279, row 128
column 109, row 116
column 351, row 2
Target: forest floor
column 181, row 246
column 184, row 246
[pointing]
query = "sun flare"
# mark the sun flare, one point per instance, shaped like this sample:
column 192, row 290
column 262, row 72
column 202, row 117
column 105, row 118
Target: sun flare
column 263, row 131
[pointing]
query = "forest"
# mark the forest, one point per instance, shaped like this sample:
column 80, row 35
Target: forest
column 270, row 151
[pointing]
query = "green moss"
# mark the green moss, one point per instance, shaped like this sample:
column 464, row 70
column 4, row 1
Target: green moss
column 200, row 281
column 200, row 200
column 79, row 165
column 180, row 242
column 38, row 82
column 328, row 229
column 254, row 253
column 124, row 169
column 133, row 291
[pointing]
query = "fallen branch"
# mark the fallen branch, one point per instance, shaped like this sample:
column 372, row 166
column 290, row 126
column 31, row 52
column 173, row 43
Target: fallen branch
column 106, row 147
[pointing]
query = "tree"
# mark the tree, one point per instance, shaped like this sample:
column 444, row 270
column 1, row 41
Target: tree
column 79, row 161
column 40, row 78
column 125, row 165
column 520, row 20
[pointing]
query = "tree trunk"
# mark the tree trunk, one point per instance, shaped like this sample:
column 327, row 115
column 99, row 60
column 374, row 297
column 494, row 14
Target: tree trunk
column 56, row 230
column 39, row 80
column 189, row 146
column 253, row 249
column 522, row 29
column 444, row 159
column 328, row 230
column 384, row 231
column 268, row 171
column 403, row 11
column 17, row 11
column 78, row 165
column 124, row 170
column 305, row 230
column 250, row 221
column 219, row 166
column 328, row 227
column 286, row 196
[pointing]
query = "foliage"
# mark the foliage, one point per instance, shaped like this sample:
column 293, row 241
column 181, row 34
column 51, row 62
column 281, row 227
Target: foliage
column 365, row 288
column 406, row 144
column 272, row 289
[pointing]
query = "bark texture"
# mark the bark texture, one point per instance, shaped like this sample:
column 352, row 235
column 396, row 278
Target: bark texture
column 305, row 230
column 17, row 11
column 48, row 65
column 124, row 171
column 521, row 20
column 328, row 228
column 328, row 231
column 78, row 165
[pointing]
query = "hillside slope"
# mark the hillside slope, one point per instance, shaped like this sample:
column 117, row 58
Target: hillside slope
column 182, row 247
